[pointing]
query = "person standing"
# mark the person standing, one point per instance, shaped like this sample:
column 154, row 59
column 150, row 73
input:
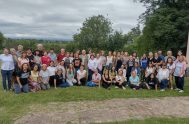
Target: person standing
column 92, row 66
column 45, row 59
column 61, row 56
column 84, row 58
column 7, row 68
column 52, row 55
column 180, row 68
column 77, row 62
column 31, row 58
column 19, row 50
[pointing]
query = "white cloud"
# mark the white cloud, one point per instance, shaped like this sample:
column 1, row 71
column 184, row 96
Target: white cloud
column 60, row 19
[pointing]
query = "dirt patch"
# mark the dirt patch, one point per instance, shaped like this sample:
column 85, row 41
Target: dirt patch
column 106, row 111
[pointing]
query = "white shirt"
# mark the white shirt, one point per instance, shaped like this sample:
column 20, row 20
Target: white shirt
column 92, row 64
column 7, row 62
column 81, row 74
column 45, row 76
column 109, row 60
column 96, row 77
column 163, row 74
column 51, row 70
column 99, row 63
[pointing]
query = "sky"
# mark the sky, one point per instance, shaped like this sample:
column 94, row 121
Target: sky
column 61, row 19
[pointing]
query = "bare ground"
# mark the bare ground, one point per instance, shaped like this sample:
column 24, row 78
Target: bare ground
column 106, row 111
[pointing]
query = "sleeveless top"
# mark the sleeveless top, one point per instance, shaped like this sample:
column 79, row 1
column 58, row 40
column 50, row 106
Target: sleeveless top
column 35, row 75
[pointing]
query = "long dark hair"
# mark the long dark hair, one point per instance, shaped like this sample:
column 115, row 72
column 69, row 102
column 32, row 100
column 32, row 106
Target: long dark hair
column 23, row 66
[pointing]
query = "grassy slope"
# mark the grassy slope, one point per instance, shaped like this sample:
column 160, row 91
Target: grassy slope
column 13, row 106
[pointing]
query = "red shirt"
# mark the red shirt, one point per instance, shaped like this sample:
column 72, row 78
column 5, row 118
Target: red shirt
column 45, row 60
column 60, row 57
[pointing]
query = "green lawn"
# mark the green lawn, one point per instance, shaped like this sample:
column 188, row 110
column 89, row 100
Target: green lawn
column 12, row 106
column 155, row 121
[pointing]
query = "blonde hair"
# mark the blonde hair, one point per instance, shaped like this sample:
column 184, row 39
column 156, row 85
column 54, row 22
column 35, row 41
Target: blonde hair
column 20, row 46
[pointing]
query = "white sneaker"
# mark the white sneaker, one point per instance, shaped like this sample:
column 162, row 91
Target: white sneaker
column 116, row 87
column 123, row 88
column 177, row 89
column 162, row 90
column 181, row 91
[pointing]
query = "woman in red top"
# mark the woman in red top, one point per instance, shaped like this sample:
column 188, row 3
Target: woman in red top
column 61, row 56
column 45, row 59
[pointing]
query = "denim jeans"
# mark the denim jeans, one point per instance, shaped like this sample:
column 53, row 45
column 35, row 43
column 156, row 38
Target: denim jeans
column 64, row 85
column 17, row 89
column 91, row 84
column 164, row 84
column 6, row 76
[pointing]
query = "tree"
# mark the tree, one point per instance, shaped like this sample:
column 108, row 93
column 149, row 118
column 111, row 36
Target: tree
column 94, row 33
column 166, row 25
column 1, row 40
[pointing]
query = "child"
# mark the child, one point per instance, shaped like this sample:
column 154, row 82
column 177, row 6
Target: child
column 44, row 77
column 52, row 70
column 34, row 81
column 22, row 79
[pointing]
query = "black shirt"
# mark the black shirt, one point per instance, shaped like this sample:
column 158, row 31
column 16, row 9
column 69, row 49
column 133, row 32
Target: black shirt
column 150, row 60
column 77, row 62
column 152, row 82
column 59, row 79
column 157, row 60
column 23, row 77
column 31, row 58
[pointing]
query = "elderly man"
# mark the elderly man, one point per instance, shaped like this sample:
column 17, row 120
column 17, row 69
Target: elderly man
column 40, row 48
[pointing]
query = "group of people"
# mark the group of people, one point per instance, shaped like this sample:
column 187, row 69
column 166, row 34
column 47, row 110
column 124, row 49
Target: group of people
column 32, row 71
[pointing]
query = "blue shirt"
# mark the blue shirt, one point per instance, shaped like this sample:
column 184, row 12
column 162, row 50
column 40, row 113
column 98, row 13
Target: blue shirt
column 134, row 81
column 144, row 63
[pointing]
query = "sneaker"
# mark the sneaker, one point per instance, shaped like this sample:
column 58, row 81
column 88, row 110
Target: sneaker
column 177, row 89
column 181, row 91
column 171, row 88
column 116, row 87
column 162, row 90
column 123, row 88
column 134, row 88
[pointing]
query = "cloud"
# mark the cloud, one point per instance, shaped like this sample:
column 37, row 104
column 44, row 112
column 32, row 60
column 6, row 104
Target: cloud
column 60, row 19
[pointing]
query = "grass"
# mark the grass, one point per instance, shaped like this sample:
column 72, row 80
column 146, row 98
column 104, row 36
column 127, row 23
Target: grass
column 155, row 121
column 13, row 106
